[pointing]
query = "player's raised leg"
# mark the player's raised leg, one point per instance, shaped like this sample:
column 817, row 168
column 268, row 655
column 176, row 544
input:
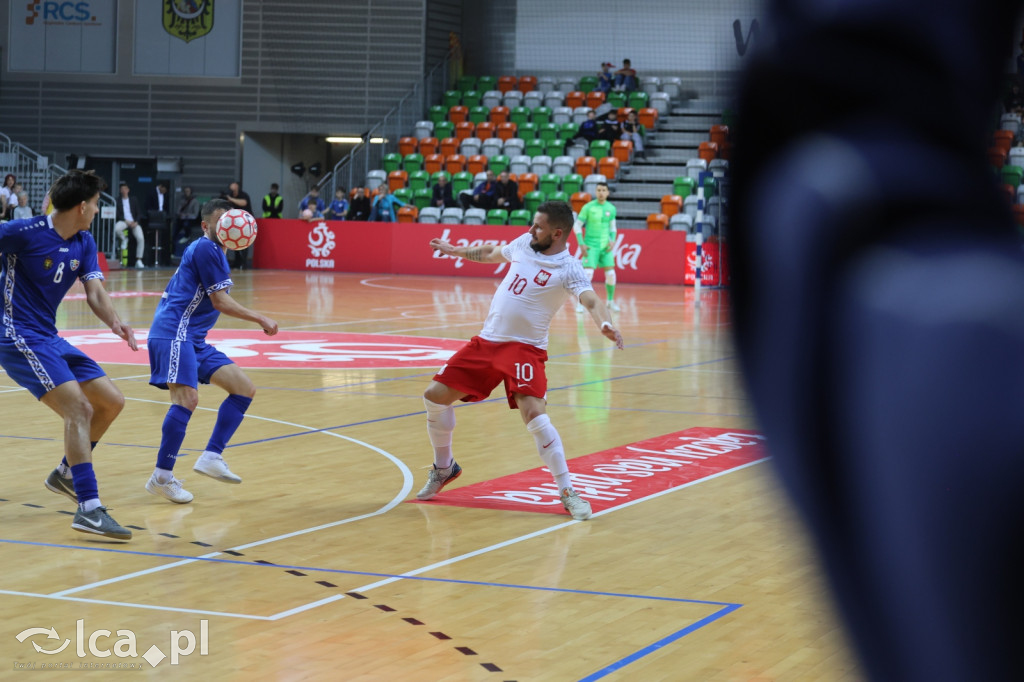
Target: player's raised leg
column 232, row 410
column 438, row 399
column 549, row 447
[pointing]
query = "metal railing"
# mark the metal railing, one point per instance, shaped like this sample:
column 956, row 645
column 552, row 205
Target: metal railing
column 382, row 138
column 36, row 175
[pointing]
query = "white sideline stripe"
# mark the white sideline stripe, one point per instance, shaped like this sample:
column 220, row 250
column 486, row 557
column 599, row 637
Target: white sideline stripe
column 305, row 607
column 133, row 605
column 407, row 481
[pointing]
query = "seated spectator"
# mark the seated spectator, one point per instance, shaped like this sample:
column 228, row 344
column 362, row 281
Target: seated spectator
column 385, row 206
column 506, row 193
column 23, row 210
column 5, row 192
column 605, row 78
column 359, row 209
column 625, row 78
column 312, row 197
column 338, row 207
column 482, row 196
column 634, row 131
column 608, row 128
column 11, row 202
column 187, row 216
column 587, row 129
column 442, row 195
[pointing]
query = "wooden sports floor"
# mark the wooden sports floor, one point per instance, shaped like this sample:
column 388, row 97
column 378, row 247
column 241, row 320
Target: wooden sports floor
column 315, row 567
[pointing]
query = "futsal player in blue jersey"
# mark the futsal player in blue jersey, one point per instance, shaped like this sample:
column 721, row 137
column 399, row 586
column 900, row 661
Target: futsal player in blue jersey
column 42, row 257
column 180, row 358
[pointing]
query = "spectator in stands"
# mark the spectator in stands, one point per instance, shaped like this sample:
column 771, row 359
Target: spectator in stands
column 338, row 207
column 635, row 132
column 625, row 78
column 482, row 196
column 5, row 192
column 313, row 196
column 239, row 199
column 506, row 193
column 385, row 206
column 187, row 216
column 11, row 202
column 442, row 194
column 605, row 78
column 126, row 217
column 23, row 210
column 360, row 208
column 311, row 213
column 608, row 128
column 273, row 203
column 158, row 200
column 588, row 129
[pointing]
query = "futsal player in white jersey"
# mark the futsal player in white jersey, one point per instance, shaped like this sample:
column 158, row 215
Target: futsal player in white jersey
column 512, row 347
column 43, row 256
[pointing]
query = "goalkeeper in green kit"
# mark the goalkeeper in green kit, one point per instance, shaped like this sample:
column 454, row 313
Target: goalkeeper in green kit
column 595, row 232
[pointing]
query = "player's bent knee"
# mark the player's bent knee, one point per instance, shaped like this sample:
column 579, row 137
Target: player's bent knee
column 609, row 277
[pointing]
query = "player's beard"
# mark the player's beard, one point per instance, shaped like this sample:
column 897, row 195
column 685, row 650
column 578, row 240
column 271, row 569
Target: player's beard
column 540, row 246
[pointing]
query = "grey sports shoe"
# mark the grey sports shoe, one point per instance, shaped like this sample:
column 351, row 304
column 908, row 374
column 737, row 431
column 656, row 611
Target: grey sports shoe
column 99, row 522
column 61, row 485
column 438, row 479
column 575, row 505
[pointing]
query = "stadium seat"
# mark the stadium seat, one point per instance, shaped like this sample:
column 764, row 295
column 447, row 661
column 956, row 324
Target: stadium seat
column 430, row 214
column 560, row 115
column 1018, row 214
column 659, row 101
column 533, row 200
column 412, row 162
column 464, row 130
column 576, row 149
column 421, row 198
column 1003, row 138
column 579, row 200
column 376, row 178
column 591, row 182
column 623, row 151
column 1011, row 175
column 710, row 187
column 491, row 99
column 718, row 167
column 512, row 99
column 586, row 165
column 575, row 99
column 392, row 162
column 519, row 115
column 520, row 217
column 506, row 131
column 549, row 183
column 474, row 216
column 435, row 176
column 478, row 114
column 451, row 216
column 600, row 148
column 396, row 180
column 588, row 83
column 623, row 113
column 442, row 130
column 485, row 130
column 547, row 132
column 533, row 99
column 467, row 83
column 541, row 164
column 498, row 163
column 449, row 146
column 553, row 99
column 506, row 83
column 595, row 99
column 486, row 83
column 476, row 164
column 458, row 113
column 470, row 146
column 616, row 100
column 418, row 179
column 559, row 196
column 462, row 180
column 403, row 194
column 542, row 116
column 514, row 147
column 499, row 114
column 437, row 113
column 647, row 117
column 527, row 183
column 408, row 145
column 637, row 100
column 433, row 163
column 497, row 216
column 671, row 204
column 657, row 221
column 707, row 151
column 684, row 186
column 1010, row 122
column 572, row 183
column 608, row 167
column 694, row 167
column 579, row 114
column 566, row 83
column 491, row 147
column 562, row 165
column 650, row 84
column 471, row 98
column 672, row 86
column 554, row 148
column 423, row 129
column 527, row 131
column 535, row 147
column 452, row 98
column 690, row 205
column 408, row 214
column 719, row 134
column 527, row 83
column 519, row 164
column 428, row 146
column 566, row 131
column 680, row 222
column 1016, row 156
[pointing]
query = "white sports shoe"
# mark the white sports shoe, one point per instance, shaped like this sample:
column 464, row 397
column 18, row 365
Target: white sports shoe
column 171, row 490
column 139, row 265
column 613, row 306
column 213, row 465
column 575, row 505
column 579, row 308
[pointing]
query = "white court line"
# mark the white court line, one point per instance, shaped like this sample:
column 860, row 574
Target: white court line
column 139, row 606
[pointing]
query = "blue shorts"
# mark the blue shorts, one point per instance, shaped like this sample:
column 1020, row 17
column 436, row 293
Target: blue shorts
column 42, row 364
column 183, row 362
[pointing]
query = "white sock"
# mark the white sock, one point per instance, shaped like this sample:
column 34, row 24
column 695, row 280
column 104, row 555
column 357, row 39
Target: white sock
column 89, row 505
column 163, row 475
column 549, row 447
column 210, row 454
column 440, row 424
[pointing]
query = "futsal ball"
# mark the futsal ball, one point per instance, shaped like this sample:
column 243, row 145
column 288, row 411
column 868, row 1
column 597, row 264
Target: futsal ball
column 236, row 229
column 307, row 213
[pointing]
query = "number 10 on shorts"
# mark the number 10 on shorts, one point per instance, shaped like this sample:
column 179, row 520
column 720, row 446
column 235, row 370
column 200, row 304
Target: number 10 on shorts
column 524, row 372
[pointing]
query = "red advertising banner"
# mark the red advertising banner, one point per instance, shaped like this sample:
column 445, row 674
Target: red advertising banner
column 641, row 256
column 617, row 476
column 714, row 263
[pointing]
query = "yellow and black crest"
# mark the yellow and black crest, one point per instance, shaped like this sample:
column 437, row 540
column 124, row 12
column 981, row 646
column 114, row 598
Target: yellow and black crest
column 188, row 19
column 47, row 263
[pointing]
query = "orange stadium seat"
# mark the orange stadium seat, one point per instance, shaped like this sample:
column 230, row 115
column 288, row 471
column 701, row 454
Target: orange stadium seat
column 527, row 83
column 458, row 113
column 397, row 179
column 506, row 83
column 1003, row 138
column 586, row 165
column 455, row 163
column 352, row 193
column 576, row 98
column 485, row 130
column 449, row 146
column 997, row 157
column 647, row 117
column 657, row 221
column 428, row 146
column 499, row 115
column 671, row 204
column 432, row 163
column 506, row 131
column 1010, row 191
column 608, row 167
column 464, row 130
column 719, row 134
column 1018, row 214
column 622, row 150
column 708, row 151
column 725, row 150
column 623, row 112
column 579, row 200
column 408, row 214
column 595, row 99
column 476, row 164
column 407, row 145
column 527, row 184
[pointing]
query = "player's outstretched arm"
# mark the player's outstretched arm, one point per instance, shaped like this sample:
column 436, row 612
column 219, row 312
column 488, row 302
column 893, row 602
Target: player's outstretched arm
column 598, row 310
column 223, row 302
column 98, row 299
column 483, row 253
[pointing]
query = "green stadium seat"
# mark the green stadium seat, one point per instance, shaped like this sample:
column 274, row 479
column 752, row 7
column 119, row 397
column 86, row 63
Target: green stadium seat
column 412, row 162
column 403, row 194
column 421, row 198
column 541, row 115
column 467, row 83
column 616, row 99
column 554, row 148
column 534, row 148
column 519, row 115
column 567, row 130
column 588, row 83
column 498, row 163
column 435, row 176
column 418, row 179
column 392, row 162
column 600, row 149
column 572, row 183
column 549, row 183
column 452, row 98
column 461, row 181
column 1011, row 175
column 520, row 217
column 533, row 200
column 684, row 186
column 497, row 216
column 711, row 186
column 547, row 131
column 478, row 114
column 471, row 98
column 527, row 131
column 638, row 100
column 559, row 196
column 437, row 114
column 444, row 129
column 485, row 83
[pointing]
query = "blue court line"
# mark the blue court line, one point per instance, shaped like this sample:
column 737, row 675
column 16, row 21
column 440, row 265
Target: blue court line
column 623, row 662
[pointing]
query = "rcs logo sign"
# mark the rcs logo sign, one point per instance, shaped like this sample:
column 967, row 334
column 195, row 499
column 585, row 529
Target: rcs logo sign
column 58, row 11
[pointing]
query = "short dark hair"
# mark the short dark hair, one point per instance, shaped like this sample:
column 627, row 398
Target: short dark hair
column 559, row 214
column 74, row 187
column 273, row 185
column 214, row 205
column 602, row 184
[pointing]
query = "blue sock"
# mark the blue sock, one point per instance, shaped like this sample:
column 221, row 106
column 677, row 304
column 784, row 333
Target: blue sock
column 85, row 482
column 175, row 424
column 229, row 416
